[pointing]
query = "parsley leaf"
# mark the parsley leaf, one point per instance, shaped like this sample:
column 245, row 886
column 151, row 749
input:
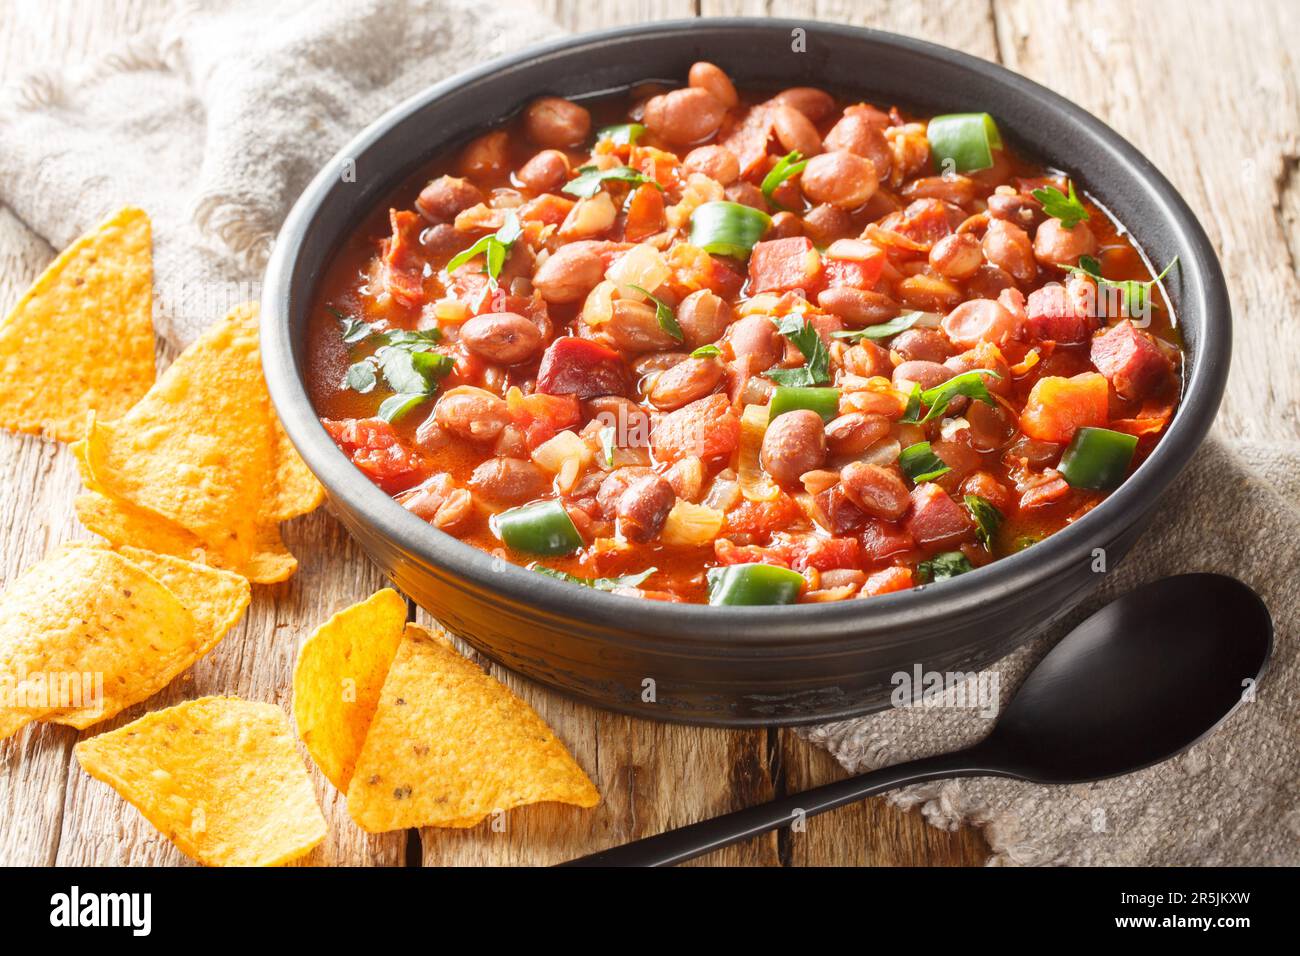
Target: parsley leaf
column 988, row 519
column 494, row 249
column 788, row 166
column 920, row 463
column 1137, row 294
column 816, row 371
column 600, row 584
column 625, row 134
column 353, row 330
column 360, row 376
column 882, row 331
column 943, row 566
column 589, row 180
column 706, row 351
column 663, row 315
column 971, row 384
column 1056, row 204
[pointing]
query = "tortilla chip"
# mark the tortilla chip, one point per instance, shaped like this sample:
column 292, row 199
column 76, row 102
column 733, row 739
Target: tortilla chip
column 338, row 677
column 186, row 470
column 87, row 632
column 449, row 745
column 218, row 776
column 82, row 336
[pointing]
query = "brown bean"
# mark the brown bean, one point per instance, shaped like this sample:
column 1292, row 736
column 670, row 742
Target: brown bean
column 840, row 178
column 794, row 131
column 615, row 483
column 1007, row 246
column 473, row 413
column 717, row 162
column 877, row 490
column 501, row 337
column 826, row 223
column 556, row 122
column 570, row 273
column 684, row 116
column 957, row 256
column 855, row 432
column 811, row 102
column 755, row 336
column 925, row 374
column 711, row 78
column 703, row 316
column 785, row 225
column 925, row 345
column 644, row 506
column 634, row 327
column 446, row 196
column 854, row 133
column 1054, row 245
column 857, row 307
column 980, row 320
column 685, row 382
column 747, row 194
column 545, row 172
column 794, row 442
column 927, row 293
column 1023, row 211
column 958, row 190
column 486, row 157
column 509, row 481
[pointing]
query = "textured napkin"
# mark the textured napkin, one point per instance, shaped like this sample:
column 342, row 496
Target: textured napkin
column 215, row 122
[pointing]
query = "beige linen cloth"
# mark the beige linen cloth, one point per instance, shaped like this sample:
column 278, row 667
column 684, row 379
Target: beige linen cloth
column 215, row 120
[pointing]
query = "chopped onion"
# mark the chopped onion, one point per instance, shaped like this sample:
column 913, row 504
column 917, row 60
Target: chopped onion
column 691, row 525
column 599, row 305
column 883, row 452
column 724, row 494
column 949, row 427
column 643, row 265
column 553, row 453
column 754, row 482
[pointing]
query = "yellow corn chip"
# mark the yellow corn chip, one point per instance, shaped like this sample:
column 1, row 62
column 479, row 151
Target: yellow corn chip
column 82, row 336
column 88, row 632
column 338, row 677
column 297, row 492
column 449, row 745
column 218, row 776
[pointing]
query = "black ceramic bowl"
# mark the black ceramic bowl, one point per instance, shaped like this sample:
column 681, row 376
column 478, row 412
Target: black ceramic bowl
column 742, row 666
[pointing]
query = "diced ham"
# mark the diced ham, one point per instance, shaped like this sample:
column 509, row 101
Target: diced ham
column 1055, row 315
column 887, row 581
column 780, row 265
column 883, row 539
column 707, row 428
column 403, row 271
column 935, row 519
column 1130, row 360
column 1057, row 407
column 581, row 367
column 840, row 513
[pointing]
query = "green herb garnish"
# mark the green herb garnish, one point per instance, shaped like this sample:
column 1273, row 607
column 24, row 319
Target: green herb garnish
column 624, row 134
column 663, row 315
column 1137, row 294
column 706, row 351
column 590, row 178
column 408, row 365
column 494, row 249
column 943, row 566
column 600, row 584
column 884, row 330
column 988, row 519
column 788, row 166
column 816, row 370
column 1058, row 205
column 971, row 384
column 920, row 463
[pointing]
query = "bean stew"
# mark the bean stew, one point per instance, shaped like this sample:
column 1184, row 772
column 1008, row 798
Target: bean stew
column 708, row 345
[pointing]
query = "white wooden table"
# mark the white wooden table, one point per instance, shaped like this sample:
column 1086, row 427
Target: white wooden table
column 1209, row 90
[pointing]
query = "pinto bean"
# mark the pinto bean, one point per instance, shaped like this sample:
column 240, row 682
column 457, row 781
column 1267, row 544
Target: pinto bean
column 785, row 225
column 486, row 157
column 634, row 327
column 1017, row 209
column 545, row 172
column 877, row 490
column 855, row 133
column 957, row 256
column 556, row 122
column 793, row 444
column 811, row 102
column 509, row 481
column 501, row 337
column 615, row 483
column 684, row 116
column 925, row 345
column 644, row 506
column 958, row 190
column 840, row 178
column 717, row 162
column 857, row 307
column 1054, row 245
column 685, row 382
column 747, row 194
column 711, row 78
column 703, row 316
column 473, row 413
column 825, row 223
column 1007, row 246
column 447, row 196
column 794, row 131
column 855, row 432
column 756, row 336
column 925, row 374
column 570, row 273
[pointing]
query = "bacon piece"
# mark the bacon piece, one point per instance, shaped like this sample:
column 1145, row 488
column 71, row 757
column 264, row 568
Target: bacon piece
column 748, row 139
column 1130, row 360
column 1056, row 315
column 403, row 270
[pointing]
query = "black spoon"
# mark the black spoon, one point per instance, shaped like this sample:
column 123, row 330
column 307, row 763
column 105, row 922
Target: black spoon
column 1138, row 682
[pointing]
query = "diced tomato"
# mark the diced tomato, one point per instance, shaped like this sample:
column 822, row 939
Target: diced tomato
column 581, row 367
column 548, row 209
column 1052, row 488
column 855, row 273
column 1055, row 315
column 540, row 415
column 707, row 428
column 1130, row 360
column 403, row 273
column 374, row 447
column 887, row 581
column 783, row 264
column 824, row 554
column 989, row 488
column 882, row 539
column 645, row 213
column 924, row 221
column 1058, row 407
column 763, row 517
column 695, row 269
column 935, row 519
column 728, row 552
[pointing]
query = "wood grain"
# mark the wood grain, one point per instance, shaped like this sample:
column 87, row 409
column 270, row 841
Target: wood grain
column 1210, row 95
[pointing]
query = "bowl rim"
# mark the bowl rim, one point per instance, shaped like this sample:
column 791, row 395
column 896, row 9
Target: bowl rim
column 697, row 627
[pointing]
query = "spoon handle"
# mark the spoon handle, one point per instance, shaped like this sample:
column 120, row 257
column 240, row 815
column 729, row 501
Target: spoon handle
column 696, row 839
